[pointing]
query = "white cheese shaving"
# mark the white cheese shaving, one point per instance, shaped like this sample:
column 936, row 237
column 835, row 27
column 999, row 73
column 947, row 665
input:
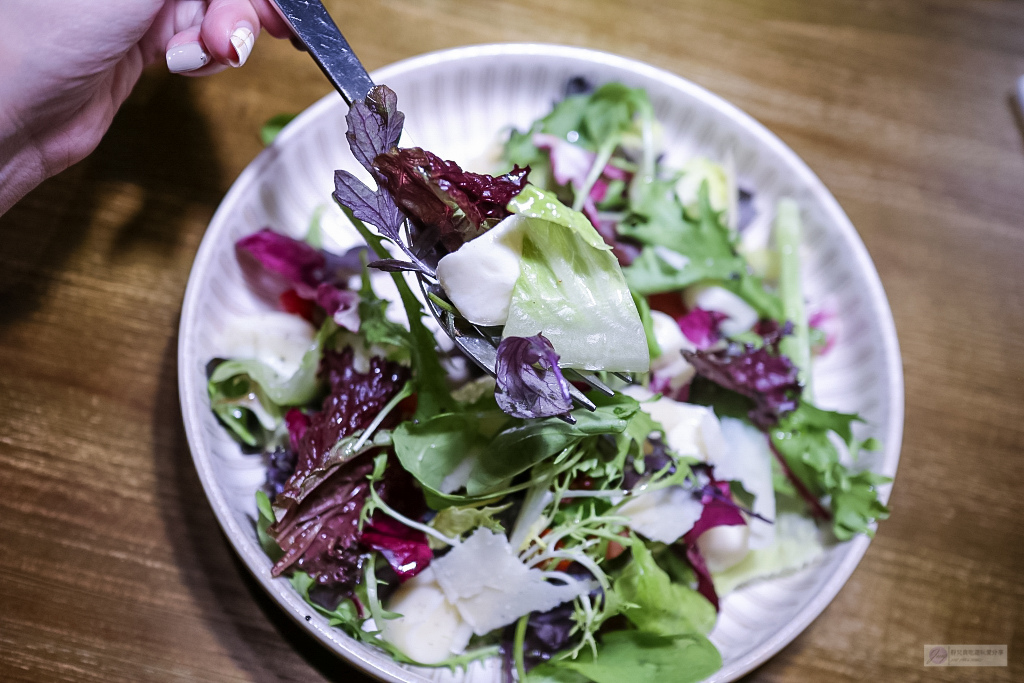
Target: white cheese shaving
column 748, row 460
column 430, row 629
column 689, row 429
column 663, row 514
column 491, row 588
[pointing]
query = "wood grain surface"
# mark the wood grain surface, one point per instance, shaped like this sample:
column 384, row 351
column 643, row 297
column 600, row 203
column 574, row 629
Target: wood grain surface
column 112, row 566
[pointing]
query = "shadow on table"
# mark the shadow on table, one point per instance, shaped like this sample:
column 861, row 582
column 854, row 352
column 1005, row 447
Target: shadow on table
column 259, row 637
column 152, row 167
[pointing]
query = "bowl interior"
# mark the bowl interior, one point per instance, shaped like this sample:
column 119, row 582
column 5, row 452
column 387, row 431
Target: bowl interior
column 457, row 103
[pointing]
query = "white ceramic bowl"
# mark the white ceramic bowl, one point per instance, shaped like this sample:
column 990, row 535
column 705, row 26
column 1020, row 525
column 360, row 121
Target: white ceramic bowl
column 456, row 102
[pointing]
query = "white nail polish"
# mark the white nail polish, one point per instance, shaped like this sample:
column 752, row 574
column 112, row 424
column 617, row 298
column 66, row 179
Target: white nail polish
column 243, row 40
column 187, row 57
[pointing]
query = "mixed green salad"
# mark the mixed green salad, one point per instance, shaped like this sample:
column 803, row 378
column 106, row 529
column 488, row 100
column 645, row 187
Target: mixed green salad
column 446, row 515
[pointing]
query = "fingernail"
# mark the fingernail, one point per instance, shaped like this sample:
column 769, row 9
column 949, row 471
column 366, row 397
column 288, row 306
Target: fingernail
column 187, row 57
column 242, row 38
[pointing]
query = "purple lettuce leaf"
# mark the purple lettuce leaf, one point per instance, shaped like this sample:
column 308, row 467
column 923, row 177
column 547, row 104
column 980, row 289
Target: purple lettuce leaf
column 280, row 466
column 393, row 265
column 375, row 207
column 438, row 194
column 321, row 535
column 323, row 498
column 405, row 548
column 384, row 102
column 529, row 381
column 701, row 327
column 761, row 374
column 354, row 401
column 374, row 126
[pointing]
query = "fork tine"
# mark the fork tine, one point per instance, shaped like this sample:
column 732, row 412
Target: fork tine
column 578, row 396
column 591, row 379
column 624, row 377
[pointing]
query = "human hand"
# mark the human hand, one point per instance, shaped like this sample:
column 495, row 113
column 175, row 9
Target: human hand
column 66, row 68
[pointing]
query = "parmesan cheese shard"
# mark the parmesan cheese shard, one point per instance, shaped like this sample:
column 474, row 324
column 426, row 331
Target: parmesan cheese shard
column 663, row 514
column 490, row 586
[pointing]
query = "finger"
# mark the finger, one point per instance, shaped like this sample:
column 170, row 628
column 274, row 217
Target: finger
column 187, row 55
column 229, row 30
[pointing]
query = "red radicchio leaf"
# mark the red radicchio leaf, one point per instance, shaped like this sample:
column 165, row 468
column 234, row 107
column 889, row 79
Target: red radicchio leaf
column 661, row 383
column 297, row 423
column 529, row 381
column 405, row 548
column 313, row 275
column 341, row 304
column 291, row 302
column 570, row 165
column 669, row 303
column 701, row 327
column 718, row 511
column 295, row 262
column 705, row 585
column 761, row 374
column 438, row 194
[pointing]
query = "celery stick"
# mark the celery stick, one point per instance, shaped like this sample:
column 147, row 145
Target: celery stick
column 787, row 240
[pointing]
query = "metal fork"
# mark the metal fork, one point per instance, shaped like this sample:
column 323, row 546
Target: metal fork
column 317, row 31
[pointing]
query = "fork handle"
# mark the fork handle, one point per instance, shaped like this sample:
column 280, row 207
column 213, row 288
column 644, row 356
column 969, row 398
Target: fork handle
column 313, row 26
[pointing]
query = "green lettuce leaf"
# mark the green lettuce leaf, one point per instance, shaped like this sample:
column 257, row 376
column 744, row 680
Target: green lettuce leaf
column 452, row 450
column 273, row 127
column 704, row 245
column 797, row 543
column 658, row 605
column 299, row 389
column 519, row 448
column 571, row 290
column 801, row 437
column 638, row 657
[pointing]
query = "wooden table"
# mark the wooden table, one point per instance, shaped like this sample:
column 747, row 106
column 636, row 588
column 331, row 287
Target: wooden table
column 112, row 566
